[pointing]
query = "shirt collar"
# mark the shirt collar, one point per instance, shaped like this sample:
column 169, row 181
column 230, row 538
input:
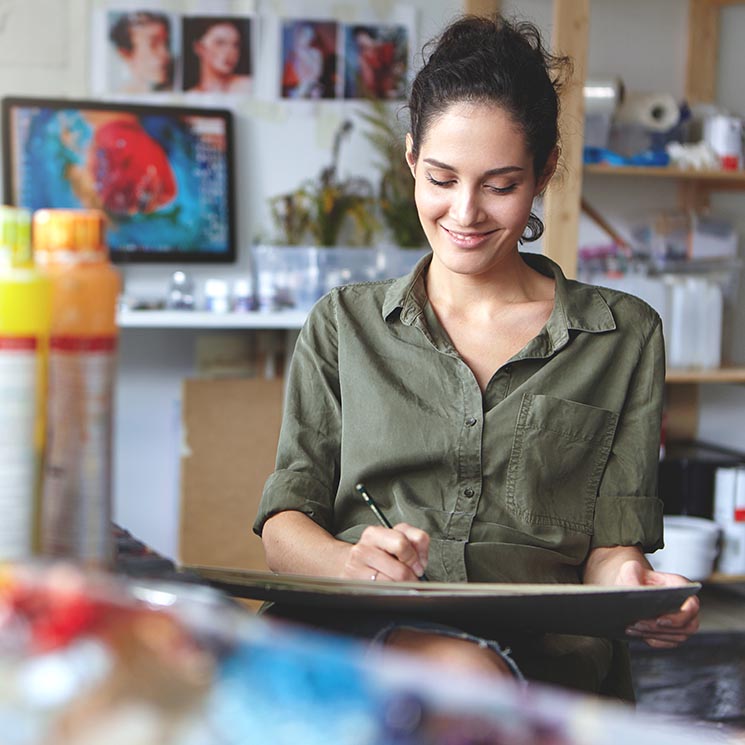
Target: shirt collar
column 577, row 306
column 407, row 294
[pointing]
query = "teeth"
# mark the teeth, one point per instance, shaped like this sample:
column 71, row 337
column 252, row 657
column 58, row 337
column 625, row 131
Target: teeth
column 464, row 235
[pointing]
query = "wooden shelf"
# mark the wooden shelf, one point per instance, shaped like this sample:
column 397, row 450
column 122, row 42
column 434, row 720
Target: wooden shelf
column 728, row 179
column 724, row 579
column 195, row 319
column 719, row 375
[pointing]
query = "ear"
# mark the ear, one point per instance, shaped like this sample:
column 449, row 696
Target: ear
column 410, row 159
column 548, row 171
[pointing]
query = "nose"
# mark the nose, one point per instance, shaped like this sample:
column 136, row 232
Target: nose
column 466, row 207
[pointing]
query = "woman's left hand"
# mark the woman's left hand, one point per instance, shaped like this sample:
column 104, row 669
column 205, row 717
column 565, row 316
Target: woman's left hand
column 671, row 629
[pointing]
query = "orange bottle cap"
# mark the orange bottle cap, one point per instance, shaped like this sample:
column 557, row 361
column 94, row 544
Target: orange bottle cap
column 68, row 231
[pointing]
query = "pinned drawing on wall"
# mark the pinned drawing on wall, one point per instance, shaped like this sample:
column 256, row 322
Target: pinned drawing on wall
column 309, row 59
column 375, row 61
column 141, row 50
column 217, row 54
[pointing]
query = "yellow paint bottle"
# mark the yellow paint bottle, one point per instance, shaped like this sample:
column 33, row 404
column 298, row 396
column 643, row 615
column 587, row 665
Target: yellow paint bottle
column 25, row 296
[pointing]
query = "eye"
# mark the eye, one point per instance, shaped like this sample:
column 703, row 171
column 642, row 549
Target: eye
column 434, row 181
column 502, row 189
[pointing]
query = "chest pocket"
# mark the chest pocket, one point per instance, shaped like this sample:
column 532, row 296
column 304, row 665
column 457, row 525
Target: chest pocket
column 559, row 452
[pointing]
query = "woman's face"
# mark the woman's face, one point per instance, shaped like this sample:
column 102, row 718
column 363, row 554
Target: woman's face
column 220, row 48
column 150, row 57
column 474, row 186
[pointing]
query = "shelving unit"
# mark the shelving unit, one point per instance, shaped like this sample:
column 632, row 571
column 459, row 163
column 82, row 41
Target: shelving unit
column 571, row 30
column 713, row 179
column 194, row 319
column 719, row 375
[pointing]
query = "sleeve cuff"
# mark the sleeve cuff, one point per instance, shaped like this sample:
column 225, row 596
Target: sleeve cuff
column 628, row 521
column 289, row 490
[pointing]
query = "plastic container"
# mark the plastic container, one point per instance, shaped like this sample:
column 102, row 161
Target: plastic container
column 24, row 337
column 216, row 298
column 76, row 498
column 729, row 513
column 691, row 547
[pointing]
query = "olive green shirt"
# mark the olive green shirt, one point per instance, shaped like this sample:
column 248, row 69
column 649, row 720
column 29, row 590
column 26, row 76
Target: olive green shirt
column 557, row 456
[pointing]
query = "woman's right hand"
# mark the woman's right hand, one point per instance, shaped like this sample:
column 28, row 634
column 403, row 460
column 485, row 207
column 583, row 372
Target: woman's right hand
column 397, row 554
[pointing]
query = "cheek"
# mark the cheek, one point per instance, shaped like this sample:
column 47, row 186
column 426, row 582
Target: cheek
column 430, row 203
column 515, row 212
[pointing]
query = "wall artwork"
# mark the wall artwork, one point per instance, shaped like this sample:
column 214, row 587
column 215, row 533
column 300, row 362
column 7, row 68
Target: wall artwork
column 375, row 61
column 309, row 59
column 140, row 54
column 217, row 54
column 148, row 50
column 144, row 51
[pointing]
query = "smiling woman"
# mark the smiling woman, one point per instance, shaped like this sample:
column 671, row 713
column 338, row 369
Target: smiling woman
column 219, row 49
column 507, row 419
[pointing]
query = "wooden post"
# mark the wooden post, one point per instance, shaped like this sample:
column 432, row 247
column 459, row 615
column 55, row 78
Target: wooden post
column 571, row 29
column 482, row 7
column 681, row 406
column 703, row 42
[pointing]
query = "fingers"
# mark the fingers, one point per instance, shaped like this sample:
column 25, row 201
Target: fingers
column 670, row 630
column 419, row 540
column 397, row 554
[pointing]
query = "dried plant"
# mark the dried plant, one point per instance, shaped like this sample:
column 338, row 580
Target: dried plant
column 321, row 207
column 396, row 188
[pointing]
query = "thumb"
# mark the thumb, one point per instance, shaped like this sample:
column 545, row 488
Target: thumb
column 631, row 573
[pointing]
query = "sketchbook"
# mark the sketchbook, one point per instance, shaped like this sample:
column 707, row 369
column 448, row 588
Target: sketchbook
column 591, row 610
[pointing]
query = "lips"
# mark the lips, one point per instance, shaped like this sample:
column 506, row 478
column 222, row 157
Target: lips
column 470, row 239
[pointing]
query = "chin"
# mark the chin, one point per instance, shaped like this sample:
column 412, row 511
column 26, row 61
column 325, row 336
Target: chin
column 465, row 262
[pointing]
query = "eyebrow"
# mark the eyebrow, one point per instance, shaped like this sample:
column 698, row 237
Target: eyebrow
column 491, row 172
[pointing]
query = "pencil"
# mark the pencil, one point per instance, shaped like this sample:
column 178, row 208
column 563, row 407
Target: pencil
column 382, row 519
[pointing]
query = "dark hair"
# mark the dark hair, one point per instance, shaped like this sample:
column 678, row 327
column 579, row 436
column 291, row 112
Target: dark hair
column 121, row 32
column 203, row 24
column 493, row 60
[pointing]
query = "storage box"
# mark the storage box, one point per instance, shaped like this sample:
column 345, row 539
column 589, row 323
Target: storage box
column 230, row 433
column 297, row 276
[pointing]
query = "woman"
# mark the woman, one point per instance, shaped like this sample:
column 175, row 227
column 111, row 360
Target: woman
column 218, row 47
column 505, row 418
column 143, row 42
column 301, row 75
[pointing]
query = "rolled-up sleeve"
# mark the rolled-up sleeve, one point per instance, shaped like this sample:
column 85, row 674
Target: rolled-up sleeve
column 628, row 512
column 306, row 474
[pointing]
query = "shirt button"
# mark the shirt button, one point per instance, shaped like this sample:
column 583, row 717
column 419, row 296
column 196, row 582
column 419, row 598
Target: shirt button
column 468, row 492
column 470, row 421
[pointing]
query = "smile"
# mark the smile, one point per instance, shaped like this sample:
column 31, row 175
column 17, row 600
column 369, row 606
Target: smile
column 468, row 240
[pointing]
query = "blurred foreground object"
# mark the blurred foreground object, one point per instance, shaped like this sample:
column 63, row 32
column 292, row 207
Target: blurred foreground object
column 70, row 247
column 89, row 658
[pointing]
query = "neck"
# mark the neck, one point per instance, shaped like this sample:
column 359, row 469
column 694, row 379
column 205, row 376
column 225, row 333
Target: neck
column 506, row 283
column 214, row 81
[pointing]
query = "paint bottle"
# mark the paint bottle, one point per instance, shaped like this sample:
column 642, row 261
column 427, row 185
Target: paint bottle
column 76, row 498
column 24, row 335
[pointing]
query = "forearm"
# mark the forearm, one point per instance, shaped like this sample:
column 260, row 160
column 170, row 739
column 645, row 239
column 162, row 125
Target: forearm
column 603, row 564
column 293, row 543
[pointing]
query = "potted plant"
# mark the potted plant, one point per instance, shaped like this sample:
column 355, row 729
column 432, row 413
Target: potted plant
column 311, row 221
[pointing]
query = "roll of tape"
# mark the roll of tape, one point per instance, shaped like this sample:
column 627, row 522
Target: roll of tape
column 602, row 95
column 656, row 112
